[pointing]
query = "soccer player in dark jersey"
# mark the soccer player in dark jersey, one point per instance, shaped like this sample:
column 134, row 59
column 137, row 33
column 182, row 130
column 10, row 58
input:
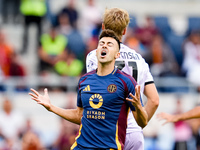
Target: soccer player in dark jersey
column 104, row 99
column 132, row 63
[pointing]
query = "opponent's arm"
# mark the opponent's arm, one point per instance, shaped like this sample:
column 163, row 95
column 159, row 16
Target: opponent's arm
column 72, row 115
column 139, row 114
column 191, row 114
column 151, row 93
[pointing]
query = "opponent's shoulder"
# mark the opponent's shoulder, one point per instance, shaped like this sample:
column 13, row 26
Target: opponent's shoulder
column 91, row 61
column 91, row 53
column 131, row 53
column 126, row 48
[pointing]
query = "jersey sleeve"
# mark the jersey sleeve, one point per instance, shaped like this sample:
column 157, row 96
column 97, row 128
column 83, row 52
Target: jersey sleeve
column 147, row 76
column 79, row 101
column 91, row 61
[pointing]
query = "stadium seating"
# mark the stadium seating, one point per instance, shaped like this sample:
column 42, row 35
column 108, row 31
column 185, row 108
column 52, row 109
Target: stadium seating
column 176, row 42
column 193, row 23
column 162, row 23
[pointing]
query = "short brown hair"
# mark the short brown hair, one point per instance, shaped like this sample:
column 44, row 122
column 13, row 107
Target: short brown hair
column 109, row 33
column 116, row 19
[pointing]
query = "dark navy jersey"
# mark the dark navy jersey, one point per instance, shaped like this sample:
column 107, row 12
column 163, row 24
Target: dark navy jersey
column 105, row 109
column 133, row 64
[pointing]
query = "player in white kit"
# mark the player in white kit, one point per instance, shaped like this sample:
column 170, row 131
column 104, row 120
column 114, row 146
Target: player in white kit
column 132, row 63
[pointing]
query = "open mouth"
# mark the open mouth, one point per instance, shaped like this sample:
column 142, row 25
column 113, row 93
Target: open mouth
column 103, row 53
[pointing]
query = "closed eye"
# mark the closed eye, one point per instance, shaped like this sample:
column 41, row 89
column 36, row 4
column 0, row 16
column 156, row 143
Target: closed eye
column 110, row 44
column 101, row 43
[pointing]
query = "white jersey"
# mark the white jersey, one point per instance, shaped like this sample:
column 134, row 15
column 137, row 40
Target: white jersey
column 133, row 64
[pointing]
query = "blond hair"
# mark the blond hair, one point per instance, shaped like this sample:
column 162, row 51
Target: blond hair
column 116, row 19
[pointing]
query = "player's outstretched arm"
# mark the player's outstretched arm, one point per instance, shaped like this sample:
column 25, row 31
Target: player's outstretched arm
column 140, row 114
column 167, row 117
column 191, row 114
column 152, row 96
column 72, row 115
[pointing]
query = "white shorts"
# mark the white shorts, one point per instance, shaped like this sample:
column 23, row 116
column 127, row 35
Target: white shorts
column 134, row 141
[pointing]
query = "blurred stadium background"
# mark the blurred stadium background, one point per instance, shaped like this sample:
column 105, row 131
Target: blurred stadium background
column 174, row 20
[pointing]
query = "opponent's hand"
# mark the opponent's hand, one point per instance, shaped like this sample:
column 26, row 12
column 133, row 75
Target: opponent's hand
column 135, row 99
column 167, row 117
column 41, row 99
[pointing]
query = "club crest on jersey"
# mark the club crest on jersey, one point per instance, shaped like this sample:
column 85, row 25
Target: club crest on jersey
column 112, row 88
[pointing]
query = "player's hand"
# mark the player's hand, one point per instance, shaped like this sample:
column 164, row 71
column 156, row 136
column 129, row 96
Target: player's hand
column 167, row 117
column 41, row 99
column 135, row 99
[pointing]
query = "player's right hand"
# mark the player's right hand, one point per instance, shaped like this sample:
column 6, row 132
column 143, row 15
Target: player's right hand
column 41, row 99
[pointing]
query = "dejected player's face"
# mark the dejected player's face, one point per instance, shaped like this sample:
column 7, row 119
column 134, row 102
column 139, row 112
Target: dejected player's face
column 107, row 50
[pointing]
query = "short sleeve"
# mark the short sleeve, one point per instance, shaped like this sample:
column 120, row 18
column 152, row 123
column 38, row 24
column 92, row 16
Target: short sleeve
column 79, row 101
column 147, row 76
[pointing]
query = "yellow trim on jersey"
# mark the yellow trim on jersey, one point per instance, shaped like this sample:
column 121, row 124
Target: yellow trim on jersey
column 75, row 143
column 73, row 146
column 117, row 139
column 114, row 70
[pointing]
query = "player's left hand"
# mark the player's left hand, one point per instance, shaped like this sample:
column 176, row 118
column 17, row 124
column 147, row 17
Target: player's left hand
column 135, row 99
